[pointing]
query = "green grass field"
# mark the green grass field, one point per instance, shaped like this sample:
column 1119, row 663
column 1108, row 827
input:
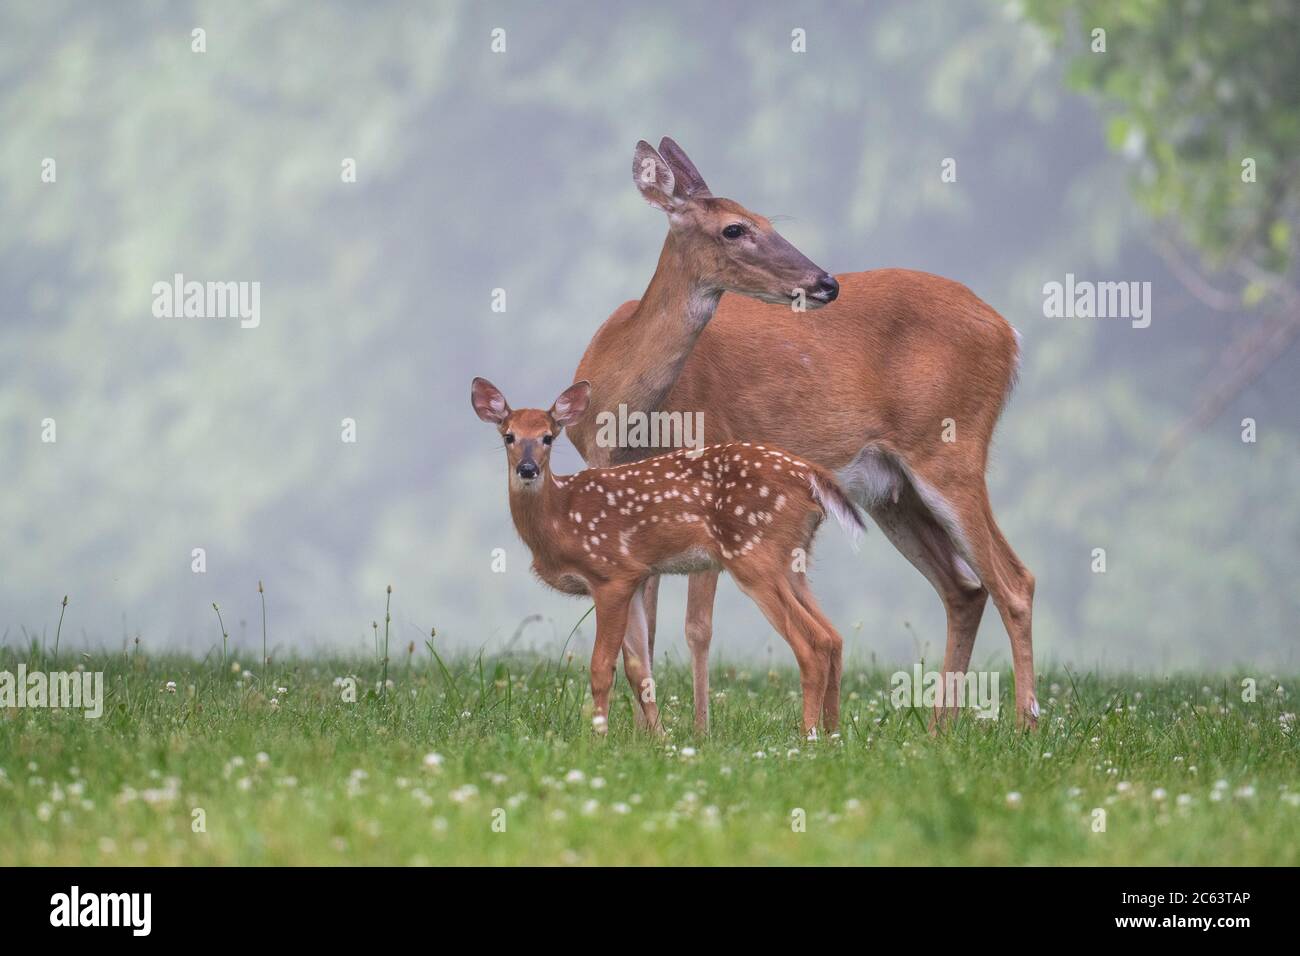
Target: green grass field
column 290, row 773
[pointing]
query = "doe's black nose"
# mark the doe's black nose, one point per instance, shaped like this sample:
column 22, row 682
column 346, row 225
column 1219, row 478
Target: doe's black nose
column 828, row 287
column 527, row 469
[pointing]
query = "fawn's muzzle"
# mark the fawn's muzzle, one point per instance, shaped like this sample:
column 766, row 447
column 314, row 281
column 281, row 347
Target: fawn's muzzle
column 526, row 470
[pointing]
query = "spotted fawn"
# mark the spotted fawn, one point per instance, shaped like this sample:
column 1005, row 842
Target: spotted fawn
column 746, row 508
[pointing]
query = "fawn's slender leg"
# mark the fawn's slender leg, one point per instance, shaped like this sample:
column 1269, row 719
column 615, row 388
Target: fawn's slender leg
column 834, row 645
column 611, row 624
column 635, row 647
column 776, row 599
column 700, row 590
column 636, row 664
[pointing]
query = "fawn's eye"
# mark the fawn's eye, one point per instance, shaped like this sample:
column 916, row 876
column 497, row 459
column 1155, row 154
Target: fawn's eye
column 734, row 231
column 547, row 439
column 510, row 438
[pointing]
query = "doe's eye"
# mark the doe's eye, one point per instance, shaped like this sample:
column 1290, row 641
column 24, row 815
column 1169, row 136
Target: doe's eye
column 547, row 439
column 734, row 231
column 510, row 438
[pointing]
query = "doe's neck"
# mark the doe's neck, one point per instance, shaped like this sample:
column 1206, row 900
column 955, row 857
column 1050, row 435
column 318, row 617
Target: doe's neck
column 636, row 359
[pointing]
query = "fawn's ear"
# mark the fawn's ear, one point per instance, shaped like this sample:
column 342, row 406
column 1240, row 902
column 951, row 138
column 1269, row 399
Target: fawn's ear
column 653, row 177
column 489, row 404
column 572, row 403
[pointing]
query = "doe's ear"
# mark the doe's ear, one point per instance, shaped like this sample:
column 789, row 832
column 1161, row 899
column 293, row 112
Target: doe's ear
column 572, row 403
column 653, row 177
column 690, row 184
column 489, row 404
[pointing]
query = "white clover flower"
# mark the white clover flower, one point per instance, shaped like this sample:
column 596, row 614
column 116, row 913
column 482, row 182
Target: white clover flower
column 575, row 776
column 170, row 687
column 1159, row 794
column 688, row 752
column 463, row 794
column 433, row 761
column 1014, row 799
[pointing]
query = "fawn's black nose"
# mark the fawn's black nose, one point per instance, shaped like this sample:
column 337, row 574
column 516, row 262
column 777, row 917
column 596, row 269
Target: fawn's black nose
column 526, row 469
column 827, row 288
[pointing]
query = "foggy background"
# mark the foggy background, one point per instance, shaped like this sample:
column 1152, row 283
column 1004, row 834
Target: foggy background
column 479, row 170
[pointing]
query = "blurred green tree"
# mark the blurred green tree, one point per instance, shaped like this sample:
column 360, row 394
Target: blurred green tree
column 1205, row 99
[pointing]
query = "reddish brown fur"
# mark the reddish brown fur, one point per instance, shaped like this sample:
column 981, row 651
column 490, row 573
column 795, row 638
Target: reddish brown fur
column 751, row 510
column 883, row 368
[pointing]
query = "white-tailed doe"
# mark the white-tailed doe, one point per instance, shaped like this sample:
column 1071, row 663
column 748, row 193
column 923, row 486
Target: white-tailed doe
column 748, row 509
column 912, row 371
